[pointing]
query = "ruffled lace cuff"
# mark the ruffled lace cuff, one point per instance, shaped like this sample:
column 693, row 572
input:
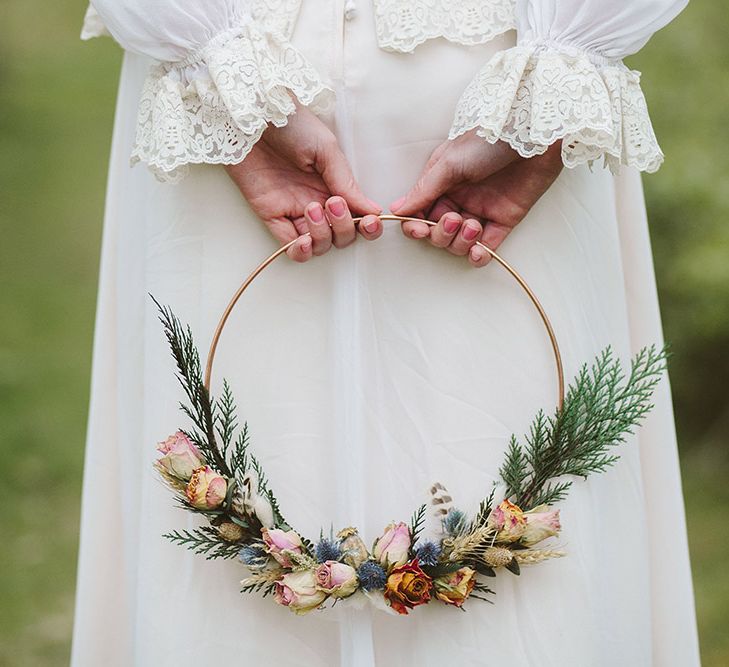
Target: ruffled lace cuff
column 214, row 106
column 535, row 94
column 402, row 25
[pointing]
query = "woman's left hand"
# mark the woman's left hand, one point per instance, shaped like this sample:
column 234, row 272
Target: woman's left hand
column 477, row 191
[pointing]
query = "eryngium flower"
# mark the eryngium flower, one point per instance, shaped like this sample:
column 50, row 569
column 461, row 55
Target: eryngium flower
column 327, row 550
column 371, row 576
column 428, row 553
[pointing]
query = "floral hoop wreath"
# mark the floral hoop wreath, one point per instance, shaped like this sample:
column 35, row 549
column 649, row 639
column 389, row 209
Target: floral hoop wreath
column 212, row 473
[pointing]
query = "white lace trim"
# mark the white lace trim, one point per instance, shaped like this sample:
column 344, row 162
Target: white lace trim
column 402, row 25
column 93, row 25
column 533, row 95
column 214, row 106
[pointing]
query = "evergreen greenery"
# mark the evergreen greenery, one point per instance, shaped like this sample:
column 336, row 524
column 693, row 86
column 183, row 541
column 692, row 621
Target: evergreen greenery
column 601, row 408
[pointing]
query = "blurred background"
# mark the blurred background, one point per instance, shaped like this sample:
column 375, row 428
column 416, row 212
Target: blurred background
column 56, row 111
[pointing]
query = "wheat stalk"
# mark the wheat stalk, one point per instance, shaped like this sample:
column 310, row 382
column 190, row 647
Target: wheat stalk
column 532, row 556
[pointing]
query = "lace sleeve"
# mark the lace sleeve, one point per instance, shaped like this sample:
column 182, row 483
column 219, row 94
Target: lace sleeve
column 565, row 80
column 402, row 25
column 225, row 73
column 213, row 107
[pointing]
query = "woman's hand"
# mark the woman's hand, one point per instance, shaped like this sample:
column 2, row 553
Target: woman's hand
column 469, row 181
column 297, row 179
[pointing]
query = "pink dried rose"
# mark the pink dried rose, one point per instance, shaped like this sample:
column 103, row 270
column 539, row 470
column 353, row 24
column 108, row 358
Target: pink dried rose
column 181, row 456
column 206, row 489
column 336, row 579
column 298, row 591
column 541, row 523
column 278, row 542
column 393, row 547
column 509, row 522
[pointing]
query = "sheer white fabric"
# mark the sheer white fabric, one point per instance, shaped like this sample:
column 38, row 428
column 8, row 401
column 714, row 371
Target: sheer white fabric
column 228, row 71
column 365, row 376
column 565, row 80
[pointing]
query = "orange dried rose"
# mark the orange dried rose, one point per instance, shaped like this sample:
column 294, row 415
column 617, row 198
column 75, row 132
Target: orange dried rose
column 407, row 587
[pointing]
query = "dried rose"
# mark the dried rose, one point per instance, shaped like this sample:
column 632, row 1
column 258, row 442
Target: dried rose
column 206, row 489
column 407, row 587
column 278, row 542
column 337, row 579
column 354, row 550
column 541, row 523
column 455, row 587
column 508, row 519
column 298, row 591
column 181, row 456
column 393, row 548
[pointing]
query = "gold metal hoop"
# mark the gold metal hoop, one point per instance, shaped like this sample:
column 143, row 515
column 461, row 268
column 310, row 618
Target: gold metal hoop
column 512, row 271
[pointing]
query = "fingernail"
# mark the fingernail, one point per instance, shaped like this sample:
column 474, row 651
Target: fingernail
column 477, row 254
column 336, row 206
column 372, row 226
column 316, row 212
column 397, row 203
column 306, row 245
column 451, row 225
column 470, row 233
column 419, row 233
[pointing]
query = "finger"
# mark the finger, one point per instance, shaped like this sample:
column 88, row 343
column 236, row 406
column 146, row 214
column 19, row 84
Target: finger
column 321, row 232
column 302, row 250
column 370, row 227
column 282, row 229
column 471, row 230
column 337, row 212
column 478, row 257
column 415, row 229
column 494, row 234
column 337, row 175
column 445, row 231
column 433, row 182
column 442, row 206
column 300, row 224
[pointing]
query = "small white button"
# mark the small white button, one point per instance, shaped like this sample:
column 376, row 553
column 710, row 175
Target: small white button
column 350, row 10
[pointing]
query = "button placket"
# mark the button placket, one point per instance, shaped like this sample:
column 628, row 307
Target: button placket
column 350, row 9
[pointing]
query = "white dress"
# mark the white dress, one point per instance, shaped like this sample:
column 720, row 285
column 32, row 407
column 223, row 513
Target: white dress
column 376, row 370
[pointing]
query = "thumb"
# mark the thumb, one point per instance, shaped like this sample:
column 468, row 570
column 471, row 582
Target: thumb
column 337, row 176
column 433, row 182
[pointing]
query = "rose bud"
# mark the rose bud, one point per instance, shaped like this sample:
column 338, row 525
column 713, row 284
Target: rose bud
column 298, row 591
column 455, row 587
column 407, row 587
column 541, row 523
column 508, row 519
column 336, row 579
column 393, row 548
column 278, row 542
column 181, row 456
column 354, row 550
column 206, row 489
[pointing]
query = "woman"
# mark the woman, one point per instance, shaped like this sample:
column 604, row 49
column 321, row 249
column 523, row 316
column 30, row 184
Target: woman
column 368, row 374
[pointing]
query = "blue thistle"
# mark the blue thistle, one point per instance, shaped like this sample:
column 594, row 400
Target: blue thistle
column 455, row 522
column 371, row 576
column 327, row 550
column 428, row 553
column 253, row 557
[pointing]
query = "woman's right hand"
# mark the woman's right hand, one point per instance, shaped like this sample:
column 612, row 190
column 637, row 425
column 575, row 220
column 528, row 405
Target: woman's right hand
column 297, row 179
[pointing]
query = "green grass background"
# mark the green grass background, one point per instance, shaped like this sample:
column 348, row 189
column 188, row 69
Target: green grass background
column 56, row 111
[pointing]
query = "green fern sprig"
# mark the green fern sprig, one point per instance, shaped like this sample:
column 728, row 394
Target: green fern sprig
column 205, row 541
column 189, row 373
column 417, row 523
column 601, row 409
